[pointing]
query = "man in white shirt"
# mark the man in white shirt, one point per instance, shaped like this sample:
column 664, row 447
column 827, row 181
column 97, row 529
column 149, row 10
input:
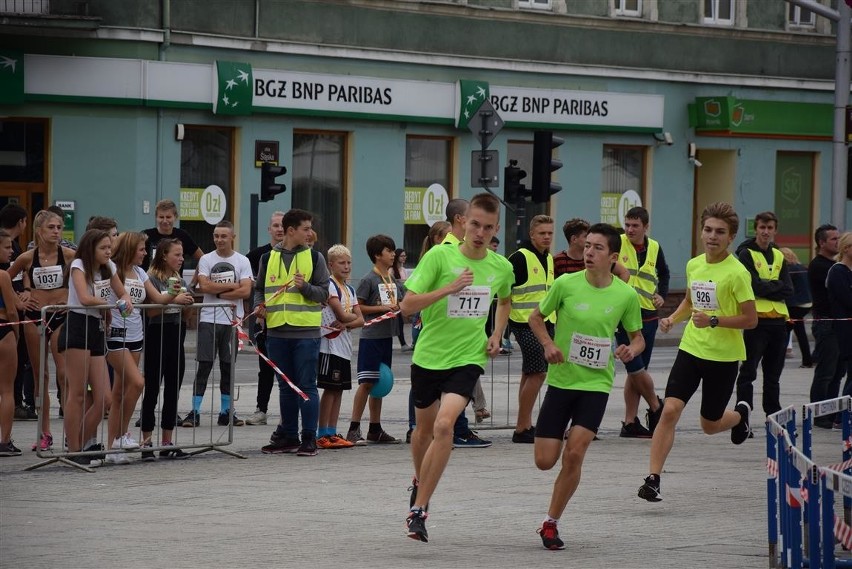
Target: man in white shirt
column 223, row 276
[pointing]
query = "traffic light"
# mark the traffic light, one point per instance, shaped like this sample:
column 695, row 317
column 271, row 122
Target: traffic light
column 544, row 165
column 513, row 188
column 268, row 188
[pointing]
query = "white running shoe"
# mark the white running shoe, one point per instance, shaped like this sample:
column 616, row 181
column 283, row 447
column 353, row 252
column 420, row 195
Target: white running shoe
column 256, row 418
column 117, row 458
column 126, row 441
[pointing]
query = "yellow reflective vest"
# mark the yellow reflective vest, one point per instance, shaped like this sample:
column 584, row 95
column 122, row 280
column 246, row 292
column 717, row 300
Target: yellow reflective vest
column 289, row 307
column 643, row 279
column 526, row 296
column 769, row 308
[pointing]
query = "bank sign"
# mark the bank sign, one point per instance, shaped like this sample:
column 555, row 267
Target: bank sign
column 236, row 88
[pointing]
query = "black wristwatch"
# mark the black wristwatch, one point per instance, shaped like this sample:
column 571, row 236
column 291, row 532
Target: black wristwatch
column 714, row 321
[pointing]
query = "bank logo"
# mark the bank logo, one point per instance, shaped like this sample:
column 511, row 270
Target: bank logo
column 233, row 93
column 11, row 77
column 469, row 96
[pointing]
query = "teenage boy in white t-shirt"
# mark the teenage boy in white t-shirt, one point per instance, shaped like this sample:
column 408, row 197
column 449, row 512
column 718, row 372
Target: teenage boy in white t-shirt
column 223, row 276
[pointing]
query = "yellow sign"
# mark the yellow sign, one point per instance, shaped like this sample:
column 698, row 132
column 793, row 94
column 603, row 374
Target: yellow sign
column 190, row 204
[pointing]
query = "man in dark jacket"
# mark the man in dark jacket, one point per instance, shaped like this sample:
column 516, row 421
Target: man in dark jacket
column 772, row 286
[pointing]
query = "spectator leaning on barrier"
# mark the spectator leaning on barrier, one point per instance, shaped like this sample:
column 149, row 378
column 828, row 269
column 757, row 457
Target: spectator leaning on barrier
column 827, row 374
column 718, row 306
column 223, row 275
column 839, row 285
column 766, row 344
column 799, row 304
column 265, row 375
column 292, row 286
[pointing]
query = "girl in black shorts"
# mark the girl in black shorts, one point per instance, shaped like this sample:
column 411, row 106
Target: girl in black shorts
column 92, row 280
column 45, row 271
column 8, row 351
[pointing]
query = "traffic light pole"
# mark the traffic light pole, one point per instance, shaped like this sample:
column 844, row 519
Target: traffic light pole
column 255, row 202
column 520, row 217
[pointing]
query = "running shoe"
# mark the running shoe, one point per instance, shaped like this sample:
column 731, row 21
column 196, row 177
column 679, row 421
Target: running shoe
column 256, row 418
column 634, row 430
column 9, row 449
column 650, row 490
column 415, row 484
column 339, row 441
column 126, row 441
column 117, row 458
column 382, row 438
column 550, row 536
column 282, row 445
column 324, row 442
column 95, row 447
column 148, row 455
column 223, row 420
column 652, row 418
column 173, row 454
column 308, row 447
column 740, row 432
column 415, row 523
column 192, row 419
column 354, row 436
column 470, row 440
column 44, row 443
column 527, row 436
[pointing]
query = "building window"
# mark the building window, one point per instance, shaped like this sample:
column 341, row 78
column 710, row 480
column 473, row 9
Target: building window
column 514, row 232
column 428, row 161
column 631, row 8
column 319, row 164
column 622, row 179
column 719, row 12
column 535, row 4
column 801, row 17
column 206, row 159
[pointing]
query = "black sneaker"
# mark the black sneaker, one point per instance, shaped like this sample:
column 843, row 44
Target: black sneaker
column 408, row 436
column 416, row 525
column 740, row 432
column 173, row 454
column 308, row 447
column 223, row 420
column 413, row 489
column 192, row 419
column 81, row 460
column 634, row 430
column 9, row 449
column 282, row 445
column 470, row 440
column 652, row 418
column 527, row 436
column 148, row 455
column 95, row 447
column 650, row 490
column 550, row 536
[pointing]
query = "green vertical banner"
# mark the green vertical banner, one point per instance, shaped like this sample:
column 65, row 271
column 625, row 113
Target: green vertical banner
column 469, row 96
column 794, row 187
column 233, row 89
column 11, row 77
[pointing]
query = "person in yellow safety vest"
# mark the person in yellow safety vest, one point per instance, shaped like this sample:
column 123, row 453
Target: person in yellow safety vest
column 533, row 267
column 293, row 317
column 643, row 266
column 772, row 285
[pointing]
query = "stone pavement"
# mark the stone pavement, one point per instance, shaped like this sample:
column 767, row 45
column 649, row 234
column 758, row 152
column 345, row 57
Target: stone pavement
column 346, row 507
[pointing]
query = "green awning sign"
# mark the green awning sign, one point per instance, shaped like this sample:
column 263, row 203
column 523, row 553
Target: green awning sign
column 746, row 117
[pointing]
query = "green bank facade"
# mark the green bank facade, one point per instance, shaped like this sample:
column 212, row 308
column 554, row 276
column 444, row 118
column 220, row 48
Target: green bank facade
column 367, row 106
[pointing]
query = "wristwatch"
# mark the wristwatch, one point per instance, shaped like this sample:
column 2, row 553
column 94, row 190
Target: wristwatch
column 714, row 321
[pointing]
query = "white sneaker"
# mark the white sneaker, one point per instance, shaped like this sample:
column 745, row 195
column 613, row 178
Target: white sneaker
column 117, row 458
column 256, row 418
column 126, row 441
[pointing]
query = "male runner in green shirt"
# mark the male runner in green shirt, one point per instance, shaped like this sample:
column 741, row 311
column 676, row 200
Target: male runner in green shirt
column 589, row 305
column 719, row 306
column 452, row 289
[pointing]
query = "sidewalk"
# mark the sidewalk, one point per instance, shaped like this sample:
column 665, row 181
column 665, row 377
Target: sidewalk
column 346, row 507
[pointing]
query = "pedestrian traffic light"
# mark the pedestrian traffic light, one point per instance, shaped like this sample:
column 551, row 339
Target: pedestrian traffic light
column 544, row 165
column 513, row 188
column 268, row 188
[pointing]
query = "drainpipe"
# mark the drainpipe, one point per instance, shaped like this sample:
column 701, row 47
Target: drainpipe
column 165, row 11
column 840, row 156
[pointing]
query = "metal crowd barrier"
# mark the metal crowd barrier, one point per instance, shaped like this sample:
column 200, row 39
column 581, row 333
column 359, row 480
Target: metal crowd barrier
column 207, row 437
column 803, row 527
